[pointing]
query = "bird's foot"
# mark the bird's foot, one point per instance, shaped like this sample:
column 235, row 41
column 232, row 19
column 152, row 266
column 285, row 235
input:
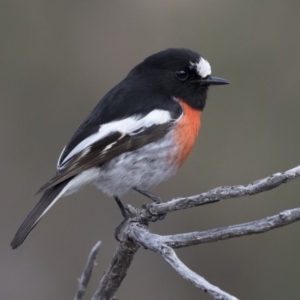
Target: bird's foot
column 153, row 217
column 126, row 216
column 149, row 195
column 156, row 200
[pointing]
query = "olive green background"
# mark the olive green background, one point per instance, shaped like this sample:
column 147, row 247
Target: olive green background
column 58, row 58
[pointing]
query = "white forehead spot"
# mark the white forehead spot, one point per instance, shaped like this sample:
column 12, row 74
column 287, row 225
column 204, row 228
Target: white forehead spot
column 202, row 67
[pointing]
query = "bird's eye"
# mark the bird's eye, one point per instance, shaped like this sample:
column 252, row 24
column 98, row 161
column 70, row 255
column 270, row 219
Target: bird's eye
column 182, row 75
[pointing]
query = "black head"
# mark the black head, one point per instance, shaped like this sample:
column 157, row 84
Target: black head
column 180, row 73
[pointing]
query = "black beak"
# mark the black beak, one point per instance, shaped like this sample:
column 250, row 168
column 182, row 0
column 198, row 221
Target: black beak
column 212, row 80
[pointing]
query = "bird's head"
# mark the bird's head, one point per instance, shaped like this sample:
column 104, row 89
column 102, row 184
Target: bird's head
column 180, row 73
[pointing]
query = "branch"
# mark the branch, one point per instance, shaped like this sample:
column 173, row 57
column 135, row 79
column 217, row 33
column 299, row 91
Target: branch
column 226, row 192
column 141, row 235
column 163, row 244
column 83, row 281
column 117, row 270
column 136, row 233
column 259, row 226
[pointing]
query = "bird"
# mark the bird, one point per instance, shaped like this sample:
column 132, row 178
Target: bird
column 138, row 135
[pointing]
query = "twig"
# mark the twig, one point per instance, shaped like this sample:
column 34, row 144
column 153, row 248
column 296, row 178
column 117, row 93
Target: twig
column 226, row 192
column 117, row 270
column 141, row 235
column 259, row 226
column 83, row 281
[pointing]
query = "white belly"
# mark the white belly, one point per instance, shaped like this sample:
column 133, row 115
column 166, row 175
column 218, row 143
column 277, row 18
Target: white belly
column 141, row 168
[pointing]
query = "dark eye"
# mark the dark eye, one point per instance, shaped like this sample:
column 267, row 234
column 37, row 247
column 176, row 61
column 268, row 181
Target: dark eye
column 182, row 75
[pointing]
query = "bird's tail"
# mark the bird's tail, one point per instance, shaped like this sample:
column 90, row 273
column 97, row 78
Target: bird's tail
column 49, row 197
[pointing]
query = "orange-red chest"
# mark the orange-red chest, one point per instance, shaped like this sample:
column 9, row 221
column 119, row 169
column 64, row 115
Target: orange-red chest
column 186, row 132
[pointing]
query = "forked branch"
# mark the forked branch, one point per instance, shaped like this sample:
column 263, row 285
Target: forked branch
column 137, row 234
column 141, row 235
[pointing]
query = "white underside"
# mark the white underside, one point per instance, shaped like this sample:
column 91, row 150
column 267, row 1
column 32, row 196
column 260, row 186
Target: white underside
column 142, row 168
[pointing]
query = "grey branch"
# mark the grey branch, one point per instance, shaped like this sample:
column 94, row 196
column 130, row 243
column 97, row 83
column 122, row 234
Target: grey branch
column 144, row 237
column 260, row 226
column 117, row 270
column 83, row 281
column 226, row 192
column 136, row 233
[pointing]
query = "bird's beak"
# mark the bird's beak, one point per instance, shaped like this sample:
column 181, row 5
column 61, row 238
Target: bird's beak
column 212, row 80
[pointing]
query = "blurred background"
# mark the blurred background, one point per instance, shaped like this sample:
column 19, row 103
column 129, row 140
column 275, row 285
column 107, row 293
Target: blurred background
column 58, row 58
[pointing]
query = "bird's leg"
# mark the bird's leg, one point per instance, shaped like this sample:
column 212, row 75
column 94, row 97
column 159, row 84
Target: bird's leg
column 155, row 199
column 124, row 214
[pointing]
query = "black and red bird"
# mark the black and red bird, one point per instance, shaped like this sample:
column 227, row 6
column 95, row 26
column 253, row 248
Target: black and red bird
column 138, row 135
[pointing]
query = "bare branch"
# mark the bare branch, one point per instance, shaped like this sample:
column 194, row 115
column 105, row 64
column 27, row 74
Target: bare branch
column 141, row 235
column 170, row 256
column 83, row 281
column 117, row 270
column 259, row 226
column 136, row 233
column 226, row 192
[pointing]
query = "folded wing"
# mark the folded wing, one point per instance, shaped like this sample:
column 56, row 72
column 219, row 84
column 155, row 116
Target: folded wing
column 102, row 151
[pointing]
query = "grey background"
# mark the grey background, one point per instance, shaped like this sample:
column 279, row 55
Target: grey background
column 58, row 58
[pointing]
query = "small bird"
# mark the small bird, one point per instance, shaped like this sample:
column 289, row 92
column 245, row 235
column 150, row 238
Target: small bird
column 137, row 136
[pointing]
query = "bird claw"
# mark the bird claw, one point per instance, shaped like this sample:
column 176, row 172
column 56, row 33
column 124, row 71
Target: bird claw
column 126, row 216
column 156, row 200
column 154, row 217
column 149, row 195
column 119, row 228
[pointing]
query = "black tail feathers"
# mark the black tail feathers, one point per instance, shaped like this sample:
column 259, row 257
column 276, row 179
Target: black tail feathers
column 36, row 214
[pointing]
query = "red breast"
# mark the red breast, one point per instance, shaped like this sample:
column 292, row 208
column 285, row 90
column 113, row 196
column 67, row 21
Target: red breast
column 186, row 132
